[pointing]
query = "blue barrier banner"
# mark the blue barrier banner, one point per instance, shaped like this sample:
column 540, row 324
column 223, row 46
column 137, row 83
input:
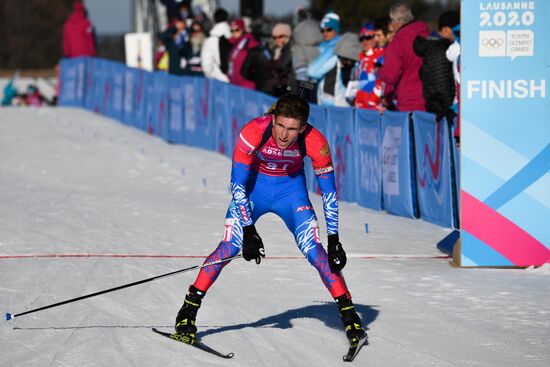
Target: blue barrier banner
column 89, row 102
column 117, row 72
column 73, row 76
column 150, row 116
column 101, row 87
column 367, row 158
column 176, row 90
column 140, row 94
column 341, row 132
column 433, row 169
column 396, row 164
column 252, row 107
column 107, row 94
column 161, row 122
column 205, row 132
column 130, row 76
column 219, row 116
column 236, row 116
column 317, row 118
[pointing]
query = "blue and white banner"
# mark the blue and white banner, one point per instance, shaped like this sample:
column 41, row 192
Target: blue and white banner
column 317, row 118
column 433, row 169
column 341, row 128
column 505, row 133
column 367, row 158
column 397, row 186
column 176, row 109
column 73, row 85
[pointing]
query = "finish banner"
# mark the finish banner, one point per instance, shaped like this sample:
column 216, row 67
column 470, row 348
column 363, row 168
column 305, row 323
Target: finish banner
column 505, row 151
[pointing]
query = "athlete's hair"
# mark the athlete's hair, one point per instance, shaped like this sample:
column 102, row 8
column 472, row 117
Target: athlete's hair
column 292, row 106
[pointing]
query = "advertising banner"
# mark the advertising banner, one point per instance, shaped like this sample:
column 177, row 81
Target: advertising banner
column 341, row 127
column 433, row 170
column 368, row 145
column 505, row 137
column 397, row 186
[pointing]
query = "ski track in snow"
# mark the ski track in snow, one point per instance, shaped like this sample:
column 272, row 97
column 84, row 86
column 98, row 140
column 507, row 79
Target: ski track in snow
column 76, row 183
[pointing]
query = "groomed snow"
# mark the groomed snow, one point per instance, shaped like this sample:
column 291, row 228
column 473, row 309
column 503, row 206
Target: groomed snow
column 76, row 183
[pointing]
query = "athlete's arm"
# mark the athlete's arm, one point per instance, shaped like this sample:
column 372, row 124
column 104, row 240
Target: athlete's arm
column 247, row 141
column 318, row 150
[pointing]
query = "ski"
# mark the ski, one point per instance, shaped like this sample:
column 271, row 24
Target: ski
column 354, row 348
column 193, row 342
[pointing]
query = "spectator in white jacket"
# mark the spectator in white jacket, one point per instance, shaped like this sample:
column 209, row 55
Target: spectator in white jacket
column 211, row 60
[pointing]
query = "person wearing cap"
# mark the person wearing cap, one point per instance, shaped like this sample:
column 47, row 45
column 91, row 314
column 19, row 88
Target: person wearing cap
column 322, row 69
column 401, row 69
column 269, row 66
column 366, row 90
column 242, row 42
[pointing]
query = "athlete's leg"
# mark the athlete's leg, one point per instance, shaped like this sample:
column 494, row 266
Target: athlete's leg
column 229, row 246
column 232, row 241
column 297, row 212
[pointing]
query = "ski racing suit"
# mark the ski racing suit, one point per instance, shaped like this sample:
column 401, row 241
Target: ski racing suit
column 268, row 179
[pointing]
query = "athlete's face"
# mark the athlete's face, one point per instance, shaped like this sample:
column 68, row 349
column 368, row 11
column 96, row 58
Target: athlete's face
column 286, row 131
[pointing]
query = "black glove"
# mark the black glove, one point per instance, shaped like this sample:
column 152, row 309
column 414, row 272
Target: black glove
column 336, row 254
column 253, row 247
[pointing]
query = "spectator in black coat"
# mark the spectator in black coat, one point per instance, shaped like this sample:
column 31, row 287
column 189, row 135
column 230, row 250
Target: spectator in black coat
column 436, row 71
column 270, row 65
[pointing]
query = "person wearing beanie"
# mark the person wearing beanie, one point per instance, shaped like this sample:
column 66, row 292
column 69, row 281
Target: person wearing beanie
column 366, row 89
column 270, row 65
column 322, row 69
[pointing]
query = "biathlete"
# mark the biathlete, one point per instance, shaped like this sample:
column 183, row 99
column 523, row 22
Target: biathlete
column 268, row 177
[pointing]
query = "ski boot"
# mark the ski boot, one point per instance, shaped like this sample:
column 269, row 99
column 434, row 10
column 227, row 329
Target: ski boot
column 352, row 323
column 185, row 320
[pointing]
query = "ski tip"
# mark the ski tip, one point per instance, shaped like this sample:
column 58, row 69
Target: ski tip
column 8, row 316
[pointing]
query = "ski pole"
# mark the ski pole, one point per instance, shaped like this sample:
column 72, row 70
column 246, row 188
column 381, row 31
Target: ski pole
column 9, row 316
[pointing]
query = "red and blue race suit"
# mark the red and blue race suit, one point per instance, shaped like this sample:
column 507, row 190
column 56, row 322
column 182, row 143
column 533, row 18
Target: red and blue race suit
column 268, row 179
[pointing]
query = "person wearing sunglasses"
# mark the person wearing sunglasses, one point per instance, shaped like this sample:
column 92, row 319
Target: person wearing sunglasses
column 242, row 42
column 366, row 90
column 322, row 68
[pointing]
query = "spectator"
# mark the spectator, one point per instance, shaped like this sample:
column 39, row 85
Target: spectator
column 305, row 47
column 381, row 32
column 176, row 41
column 436, row 73
column 347, row 51
column 196, row 42
column 322, row 68
column 269, row 66
column 453, row 55
column 366, row 90
column 401, row 66
column 10, row 94
column 200, row 16
column 216, row 48
column 242, row 42
column 78, row 33
column 33, row 97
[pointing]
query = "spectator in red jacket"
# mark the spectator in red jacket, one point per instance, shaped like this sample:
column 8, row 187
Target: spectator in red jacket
column 400, row 71
column 78, row 36
column 242, row 42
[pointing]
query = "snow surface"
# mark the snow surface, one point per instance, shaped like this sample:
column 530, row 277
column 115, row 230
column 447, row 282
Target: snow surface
column 76, row 183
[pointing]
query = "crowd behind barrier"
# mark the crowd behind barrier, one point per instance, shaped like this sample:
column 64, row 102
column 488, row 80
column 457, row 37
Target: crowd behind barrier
column 398, row 162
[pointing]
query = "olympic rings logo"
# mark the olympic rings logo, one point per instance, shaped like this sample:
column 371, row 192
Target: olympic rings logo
column 492, row 42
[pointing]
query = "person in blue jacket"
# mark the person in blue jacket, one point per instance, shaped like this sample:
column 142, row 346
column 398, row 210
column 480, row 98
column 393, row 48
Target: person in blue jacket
column 322, row 68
